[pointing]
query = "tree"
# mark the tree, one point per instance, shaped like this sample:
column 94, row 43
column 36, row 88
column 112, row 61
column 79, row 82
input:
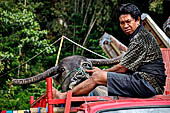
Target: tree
column 20, row 38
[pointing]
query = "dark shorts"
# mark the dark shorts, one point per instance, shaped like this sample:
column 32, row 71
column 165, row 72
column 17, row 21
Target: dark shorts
column 128, row 85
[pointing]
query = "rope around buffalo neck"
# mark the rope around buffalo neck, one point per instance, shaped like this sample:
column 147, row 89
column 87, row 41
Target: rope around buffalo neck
column 68, row 75
column 80, row 74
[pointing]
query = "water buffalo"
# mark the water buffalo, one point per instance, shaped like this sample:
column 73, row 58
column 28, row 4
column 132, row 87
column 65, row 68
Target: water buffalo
column 69, row 72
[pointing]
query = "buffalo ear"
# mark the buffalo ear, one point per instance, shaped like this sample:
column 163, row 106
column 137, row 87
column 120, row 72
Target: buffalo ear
column 55, row 79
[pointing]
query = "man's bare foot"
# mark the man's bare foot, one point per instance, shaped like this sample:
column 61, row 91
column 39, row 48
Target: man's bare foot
column 58, row 95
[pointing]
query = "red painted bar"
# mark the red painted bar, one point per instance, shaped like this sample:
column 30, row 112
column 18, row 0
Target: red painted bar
column 166, row 59
column 68, row 102
column 39, row 102
column 57, row 101
column 49, row 94
column 93, row 98
column 82, row 98
column 43, row 103
column 31, row 99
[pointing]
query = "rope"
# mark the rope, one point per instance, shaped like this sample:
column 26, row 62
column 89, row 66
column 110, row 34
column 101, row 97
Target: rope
column 30, row 58
column 68, row 75
column 85, row 104
column 85, row 48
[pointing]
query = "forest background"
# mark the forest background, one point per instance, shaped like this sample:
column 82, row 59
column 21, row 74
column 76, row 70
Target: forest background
column 28, row 27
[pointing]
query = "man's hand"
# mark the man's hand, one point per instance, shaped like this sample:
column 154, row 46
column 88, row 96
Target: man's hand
column 93, row 70
column 117, row 68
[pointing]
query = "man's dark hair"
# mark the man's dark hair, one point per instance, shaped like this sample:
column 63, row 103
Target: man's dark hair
column 131, row 9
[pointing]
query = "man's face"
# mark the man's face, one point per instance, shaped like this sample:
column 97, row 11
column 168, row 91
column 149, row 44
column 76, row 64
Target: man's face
column 128, row 24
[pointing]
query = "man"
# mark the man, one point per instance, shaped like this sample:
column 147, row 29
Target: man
column 140, row 73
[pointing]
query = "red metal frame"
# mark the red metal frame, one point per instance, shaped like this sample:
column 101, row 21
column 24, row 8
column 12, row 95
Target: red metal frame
column 40, row 102
column 47, row 97
column 166, row 59
column 49, row 94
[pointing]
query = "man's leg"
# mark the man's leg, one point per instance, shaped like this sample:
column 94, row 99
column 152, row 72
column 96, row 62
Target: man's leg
column 97, row 78
column 128, row 85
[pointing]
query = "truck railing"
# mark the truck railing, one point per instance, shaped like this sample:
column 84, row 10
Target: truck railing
column 47, row 98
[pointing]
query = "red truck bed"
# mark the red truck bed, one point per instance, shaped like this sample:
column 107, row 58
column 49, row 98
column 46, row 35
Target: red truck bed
column 100, row 103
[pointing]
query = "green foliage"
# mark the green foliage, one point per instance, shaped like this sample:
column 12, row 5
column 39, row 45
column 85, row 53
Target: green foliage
column 17, row 97
column 156, row 6
column 20, row 38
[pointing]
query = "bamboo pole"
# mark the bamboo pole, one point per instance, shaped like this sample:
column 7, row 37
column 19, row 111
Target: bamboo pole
column 88, row 34
column 58, row 55
column 84, row 21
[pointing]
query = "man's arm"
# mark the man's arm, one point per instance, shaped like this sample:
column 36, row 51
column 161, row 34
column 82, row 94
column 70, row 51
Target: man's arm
column 117, row 68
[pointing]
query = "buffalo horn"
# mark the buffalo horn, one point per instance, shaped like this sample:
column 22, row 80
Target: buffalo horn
column 50, row 72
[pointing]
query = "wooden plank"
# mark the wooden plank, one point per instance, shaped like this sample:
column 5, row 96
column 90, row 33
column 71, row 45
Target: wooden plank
column 111, row 46
column 160, row 36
